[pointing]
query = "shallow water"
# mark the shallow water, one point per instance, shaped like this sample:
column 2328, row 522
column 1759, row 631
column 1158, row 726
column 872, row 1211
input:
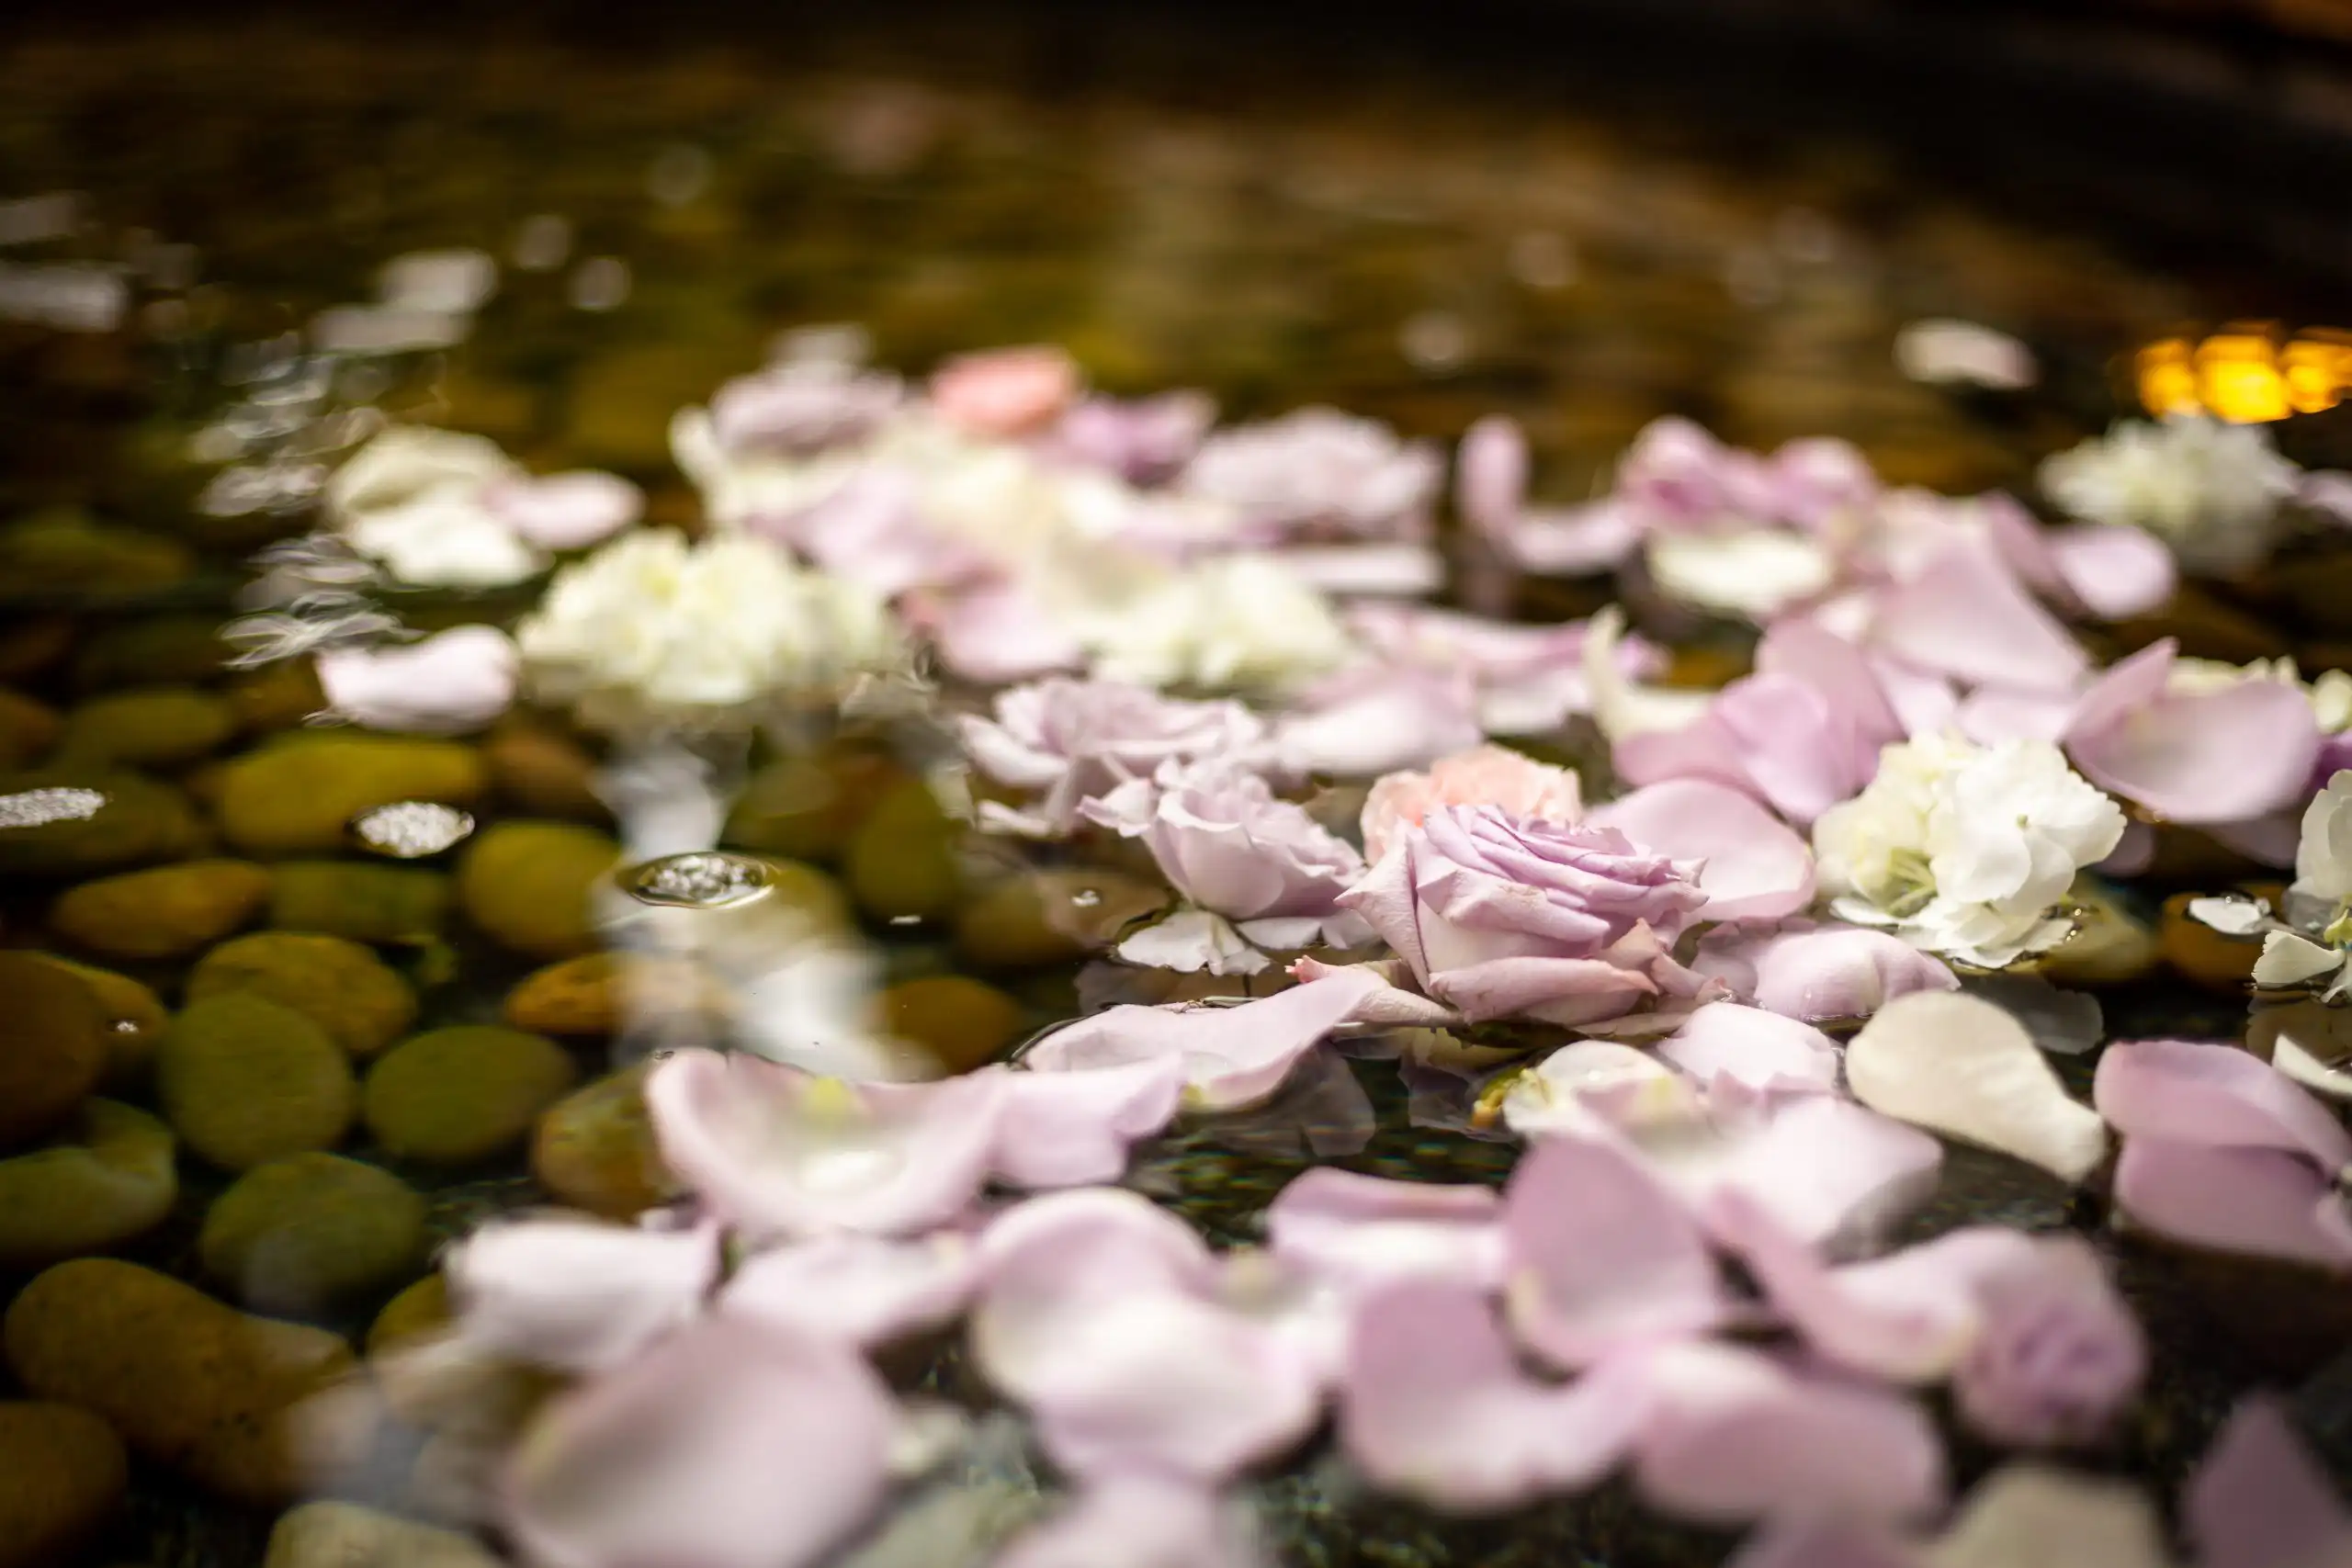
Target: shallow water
column 1405, row 254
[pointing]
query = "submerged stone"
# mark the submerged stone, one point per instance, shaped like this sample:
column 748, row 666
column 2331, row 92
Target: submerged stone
column 297, row 795
column 78, row 822
column 59, row 554
column 245, row 1080
column 1045, row 918
column 808, row 806
column 457, row 1096
column 531, row 886
column 135, row 1019
column 313, row 1231
column 901, row 861
column 595, row 1149
column 960, row 1022
column 598, row 993
column 334, row 982
column 52, row 1046
column 106, row 1179
column 346, row 1535
column 163, row 912
column 421, row 1308
column 62, row 1473
column 27, row 729
column 364, row 902
column 188, row 1382
column 161, row 728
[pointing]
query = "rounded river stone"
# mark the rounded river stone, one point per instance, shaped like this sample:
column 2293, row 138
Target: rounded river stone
column 245, row 1080
column 334, row 982
column 52, row 1046
column 313, row 1231
column 463, row 1094
column 187, row 1382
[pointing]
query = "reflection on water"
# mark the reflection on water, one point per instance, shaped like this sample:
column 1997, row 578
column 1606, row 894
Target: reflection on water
column 227, row 262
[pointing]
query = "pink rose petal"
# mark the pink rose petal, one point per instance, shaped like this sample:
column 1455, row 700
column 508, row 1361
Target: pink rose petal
column 730, row 1445
column 1755, row 869
column 1601, row 1257
column 1230, row 1057
column 2260, row 1499
column 1965, row 615
column 781, row 1152
column 1820, row 973
column 2257, row 1202
column 567, row 512
column 1070, row 1126
column 1762, row 1051
column 1352, row 1229
column 1735, row 1436
column 2226, row 755
column 451, row 683
column 2213, row 1094
column 1005, row 391
column 863, row 1291
column 577, row 1294
column 1435, row 1406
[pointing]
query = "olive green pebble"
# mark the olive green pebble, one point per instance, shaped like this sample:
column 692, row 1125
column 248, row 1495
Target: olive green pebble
column 159, row 650
column 530, row 887
column 163, row 727
column 463, row 1094
column 81, row 821
column 245, row 1080
column 334, row 982
column 420, row 1309
column 186, row 1381
column 1056, row 917
column 135, row 1019
column 901, row 861
column 107, row 1178
column 52, row 1046
column 63, row 1474
column 311, row 1232
column 808, row 807
column 64, row 552
column 960, row 1022
column 357, row 900
column 595, row 1149
column 28, row 727
column 297, row 796
column 163, row 912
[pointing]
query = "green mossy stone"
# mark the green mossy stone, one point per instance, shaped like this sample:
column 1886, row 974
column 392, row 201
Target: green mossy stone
column 276, row 697
column 52, row 1046
column 461, row 1095
column 135, row 1019
column 63, row 1474
column 297, row 795
column 163, row 912
column 245, row 1080
column 160, row 650
column 312, row 1232
column 187, row 1382
column 1048, row 918
column 901, row 861
column 539, row 770
column 334, row 982
column 27, row 729
column 595, row 1149
column 420, row 1309
column 960, row 1022
column 530, row 887
column 65, row 554
column 135, row 820
column 106, row 1179
column 807, row 807
column 362, row 902
column 161, row 728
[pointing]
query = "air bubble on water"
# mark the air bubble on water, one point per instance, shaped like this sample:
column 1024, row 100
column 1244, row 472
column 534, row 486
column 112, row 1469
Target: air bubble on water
column 1086, row 897
column 601, row 284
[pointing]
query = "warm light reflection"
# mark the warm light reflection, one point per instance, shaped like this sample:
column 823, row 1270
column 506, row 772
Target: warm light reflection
column 2246, row 376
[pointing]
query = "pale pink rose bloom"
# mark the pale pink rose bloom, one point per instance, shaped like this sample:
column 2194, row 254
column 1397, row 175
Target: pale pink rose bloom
column 1006, row 391
column 1486, row 775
